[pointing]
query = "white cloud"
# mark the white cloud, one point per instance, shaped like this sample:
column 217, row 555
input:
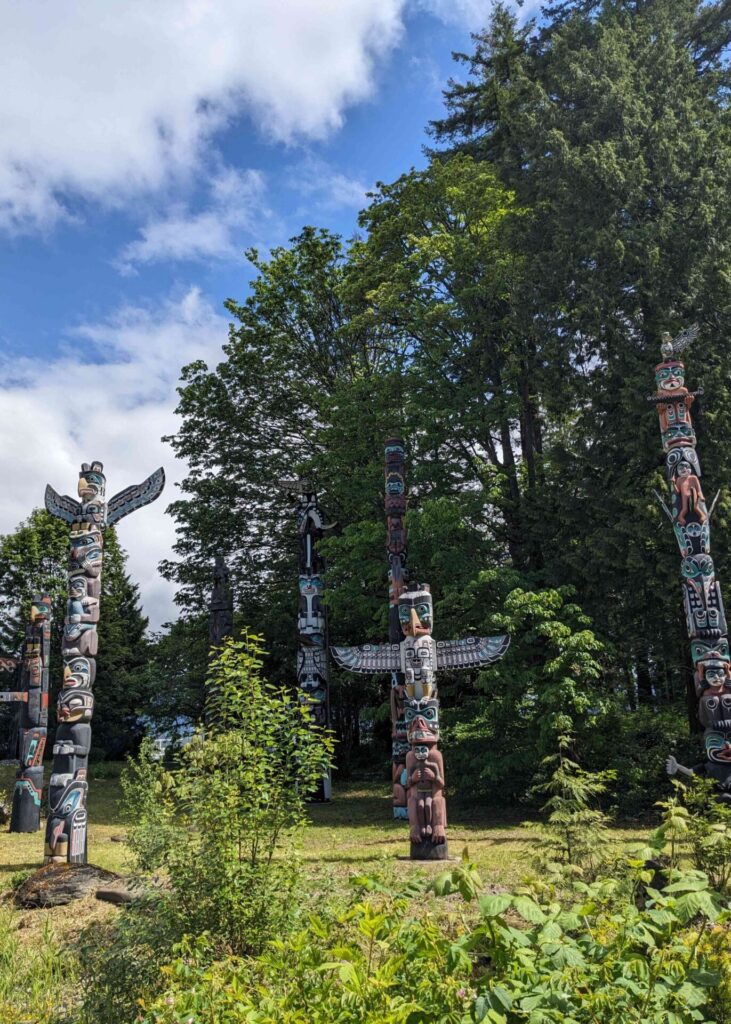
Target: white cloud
column 325, row 187
column 236, row 205
column 474, row 14
column 109, row 99
column 111, row 397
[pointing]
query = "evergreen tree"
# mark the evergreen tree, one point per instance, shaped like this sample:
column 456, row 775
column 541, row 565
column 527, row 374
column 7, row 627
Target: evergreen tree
column 610, row 123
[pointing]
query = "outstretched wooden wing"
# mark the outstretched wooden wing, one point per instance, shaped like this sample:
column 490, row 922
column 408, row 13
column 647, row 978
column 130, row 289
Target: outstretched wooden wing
column 368, row 659
column 61, row 506
column 472, row 652
column 135, row 497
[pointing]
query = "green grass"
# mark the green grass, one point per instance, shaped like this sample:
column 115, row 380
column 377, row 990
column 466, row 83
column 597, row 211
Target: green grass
column 354, row 834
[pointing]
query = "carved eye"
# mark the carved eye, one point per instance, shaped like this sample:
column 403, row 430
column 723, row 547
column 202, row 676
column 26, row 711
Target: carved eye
column 711, row 703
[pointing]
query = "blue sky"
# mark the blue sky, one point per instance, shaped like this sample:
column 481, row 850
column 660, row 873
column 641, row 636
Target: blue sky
column 143, row 147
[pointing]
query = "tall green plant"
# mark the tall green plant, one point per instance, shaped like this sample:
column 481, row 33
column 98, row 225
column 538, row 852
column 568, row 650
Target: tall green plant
column 222, row 827
column 575, row 833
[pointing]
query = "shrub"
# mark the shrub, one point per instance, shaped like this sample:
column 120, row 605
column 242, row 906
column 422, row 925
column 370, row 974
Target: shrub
column 221, row 827
column 593, row 956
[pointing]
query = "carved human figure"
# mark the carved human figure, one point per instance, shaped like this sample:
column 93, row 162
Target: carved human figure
column 688, row 488
column 425, row 774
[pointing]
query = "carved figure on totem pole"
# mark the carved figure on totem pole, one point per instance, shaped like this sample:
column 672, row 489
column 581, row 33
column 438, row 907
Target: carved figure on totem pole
column 395, row 507
column 418, row 656
column 313, row 669
column 704, row 611
column 33, row 699
column 88, row 518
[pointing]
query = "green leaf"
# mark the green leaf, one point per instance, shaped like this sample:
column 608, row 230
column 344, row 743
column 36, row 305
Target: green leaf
column 528, row 909
column 494, row 906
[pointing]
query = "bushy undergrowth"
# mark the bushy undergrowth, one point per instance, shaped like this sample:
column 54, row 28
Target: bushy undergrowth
column 614, row 951
column 219, row 830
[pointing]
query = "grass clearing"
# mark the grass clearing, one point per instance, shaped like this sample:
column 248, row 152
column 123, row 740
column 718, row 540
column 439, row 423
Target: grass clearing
column 354, row 834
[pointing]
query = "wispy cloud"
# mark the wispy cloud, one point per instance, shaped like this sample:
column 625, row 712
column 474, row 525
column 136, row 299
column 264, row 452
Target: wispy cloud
column 325, row 187
column 111, row 396
column 235, row 207
column 108, row 100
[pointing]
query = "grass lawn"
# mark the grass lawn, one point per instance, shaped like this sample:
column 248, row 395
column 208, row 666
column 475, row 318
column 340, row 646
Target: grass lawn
column 354, row 834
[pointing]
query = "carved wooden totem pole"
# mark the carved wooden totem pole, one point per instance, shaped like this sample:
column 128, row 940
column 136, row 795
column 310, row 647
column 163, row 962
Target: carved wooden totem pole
column 418, row 657
column 33, row 699
column 395, row 505
column 221, row 617
column 704, row 613
column 67, row 816
column 313, row 670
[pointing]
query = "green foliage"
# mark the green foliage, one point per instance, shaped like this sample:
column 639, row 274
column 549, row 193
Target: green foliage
column 575, row 833
column 222, row 826
column 545, row 686
column 591, row 956
column 697, row 827
column 37, row 983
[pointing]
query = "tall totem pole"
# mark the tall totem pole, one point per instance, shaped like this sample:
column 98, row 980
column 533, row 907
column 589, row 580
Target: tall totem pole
column 88, row 518
column 418, row 657
column 704, row 612
column 33, row 698
column 313, row 670
column 395, row 505
column 221, row 608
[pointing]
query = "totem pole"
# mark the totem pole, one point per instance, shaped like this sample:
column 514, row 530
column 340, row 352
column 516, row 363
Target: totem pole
column 221, row 617
column 33, row 698
column 395, row 504
column 704, row 613
column 67, row 816
column 418, row 657
column 313, row 671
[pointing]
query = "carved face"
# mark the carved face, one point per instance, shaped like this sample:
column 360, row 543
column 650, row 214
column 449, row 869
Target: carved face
column 415, row 612
column 718, row 747
column 670, row 376
column 714, row 710
column 92, row 482
column 86, row 552
column 40, row 610
column 683, row 455
column 75, row 706
column 716, row 650
column 421, row 752
column 34, row 664
column 422, row 721
column 697, row 567
column 78, row 673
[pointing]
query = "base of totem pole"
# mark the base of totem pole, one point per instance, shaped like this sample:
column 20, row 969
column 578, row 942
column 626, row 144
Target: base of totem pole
column 429, row 851
column 54, row 885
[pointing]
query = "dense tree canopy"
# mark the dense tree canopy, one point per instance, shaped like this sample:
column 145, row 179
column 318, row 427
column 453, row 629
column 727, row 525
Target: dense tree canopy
column 502, row 309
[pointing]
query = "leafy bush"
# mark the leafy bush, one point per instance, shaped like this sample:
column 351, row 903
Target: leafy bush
column 594, row 955
column 221, row 828
column 697, row 827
